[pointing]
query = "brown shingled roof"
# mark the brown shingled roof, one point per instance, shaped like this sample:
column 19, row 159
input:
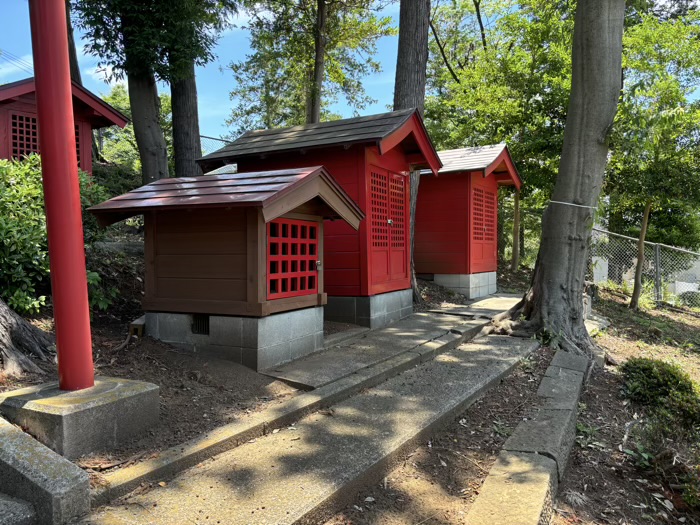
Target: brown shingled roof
column 261, row 189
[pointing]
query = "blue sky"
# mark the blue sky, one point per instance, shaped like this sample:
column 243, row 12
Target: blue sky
column 213, row 81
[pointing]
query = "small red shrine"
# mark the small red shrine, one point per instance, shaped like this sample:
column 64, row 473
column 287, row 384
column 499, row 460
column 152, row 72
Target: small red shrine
column 367, row 271
column 457, row 218
column 19, row 129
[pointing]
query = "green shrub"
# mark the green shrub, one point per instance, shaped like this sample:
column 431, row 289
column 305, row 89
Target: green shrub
column 24, row 263
column 116, row 179
column 665, row 388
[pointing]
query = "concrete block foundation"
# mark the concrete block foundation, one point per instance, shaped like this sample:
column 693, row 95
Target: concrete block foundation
column 94, row 419
column 375, row 311
column 473, row 285
column 256, row 342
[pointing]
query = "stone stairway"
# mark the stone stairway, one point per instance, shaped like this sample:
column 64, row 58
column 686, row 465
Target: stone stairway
column 304, row 472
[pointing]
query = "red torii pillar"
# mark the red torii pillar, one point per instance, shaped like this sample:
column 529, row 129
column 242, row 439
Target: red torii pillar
column 59, row 163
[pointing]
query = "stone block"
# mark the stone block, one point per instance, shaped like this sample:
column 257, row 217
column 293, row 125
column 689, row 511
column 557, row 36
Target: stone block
column 518, row 491
column 174, row 327
column 58, row 489
column 561, row 387
column 225, row 330
column 16, row 512
column 90, row 420
column 274, row 355
column 229, row 353
column 304, row 345
column 551, row 433
column 564, row 359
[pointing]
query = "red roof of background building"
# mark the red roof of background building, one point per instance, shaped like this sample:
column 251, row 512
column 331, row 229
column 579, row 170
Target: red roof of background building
column 103, row 115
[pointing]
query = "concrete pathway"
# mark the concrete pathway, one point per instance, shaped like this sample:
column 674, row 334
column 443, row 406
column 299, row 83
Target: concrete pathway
column 302, row 473
column 485, row 308
column 349, row 356
column 371, row 348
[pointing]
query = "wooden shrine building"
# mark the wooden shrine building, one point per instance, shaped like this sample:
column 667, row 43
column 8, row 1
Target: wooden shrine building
column 235, row 261
column 367, row 271
column 19, row 127
column 457, row 218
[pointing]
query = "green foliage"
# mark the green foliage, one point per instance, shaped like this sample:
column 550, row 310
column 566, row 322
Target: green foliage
column 273, row 82
column 665, row 389
column 116, row 179
column 101, row 297
column 158, row 36
column 642, row 457
column 119, row 145
column 24, row 263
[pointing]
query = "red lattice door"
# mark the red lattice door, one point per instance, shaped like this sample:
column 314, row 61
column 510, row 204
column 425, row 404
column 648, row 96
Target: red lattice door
column 292, row 255
column 484, row 242
column 388, row 226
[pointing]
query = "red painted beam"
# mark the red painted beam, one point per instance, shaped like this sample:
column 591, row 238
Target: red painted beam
column 61, row 193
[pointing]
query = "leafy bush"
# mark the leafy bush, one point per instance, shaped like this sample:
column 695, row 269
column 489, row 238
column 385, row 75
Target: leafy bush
column 24, row 263
column 690, row 299
column 665, row 388
column 116, row 179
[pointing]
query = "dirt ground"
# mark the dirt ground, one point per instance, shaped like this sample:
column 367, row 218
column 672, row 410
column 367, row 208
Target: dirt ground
column 196, row 395
column 603, row 485
column 439, row 481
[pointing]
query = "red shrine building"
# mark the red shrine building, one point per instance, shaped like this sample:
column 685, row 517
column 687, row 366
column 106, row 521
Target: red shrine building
column 19, row 127
column 457, row 218
column 367, row 272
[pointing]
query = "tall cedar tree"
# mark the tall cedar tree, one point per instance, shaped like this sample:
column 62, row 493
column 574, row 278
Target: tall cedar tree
column 553, row 304
column 150, row 40
column 409, row 86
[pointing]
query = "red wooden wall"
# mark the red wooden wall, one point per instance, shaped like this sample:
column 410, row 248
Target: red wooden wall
column 355, row 264
column 456, row 219
column 19, row 137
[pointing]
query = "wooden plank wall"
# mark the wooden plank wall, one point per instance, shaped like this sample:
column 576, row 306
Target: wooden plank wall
column 442, row 224
column 201, row 255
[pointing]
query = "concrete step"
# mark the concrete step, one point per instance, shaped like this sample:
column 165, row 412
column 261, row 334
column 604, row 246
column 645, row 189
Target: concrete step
column 16, row 511
column 487, row 307
column 303, row 473
column 352, row 355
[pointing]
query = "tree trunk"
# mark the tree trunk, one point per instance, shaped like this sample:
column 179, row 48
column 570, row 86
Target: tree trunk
column 412, row 58
column 553, row 304
column 313, row 102
column 187, row 146
column 409, row 87
column 634, row 303
column 18, row 339
column 145, row 116
column 515, row 259
column 72, row 53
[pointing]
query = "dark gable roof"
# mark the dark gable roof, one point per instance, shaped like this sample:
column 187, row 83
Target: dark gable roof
column 372, row 128
column 260, row 189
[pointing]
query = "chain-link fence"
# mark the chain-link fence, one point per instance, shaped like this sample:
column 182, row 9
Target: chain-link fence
column 669, row 274
column 211, row 144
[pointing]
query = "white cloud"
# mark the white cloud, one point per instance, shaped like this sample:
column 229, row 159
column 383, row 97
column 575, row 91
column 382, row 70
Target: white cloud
column 102, row 74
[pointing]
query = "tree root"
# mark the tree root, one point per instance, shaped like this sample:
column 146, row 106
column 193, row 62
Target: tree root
column 19, row 340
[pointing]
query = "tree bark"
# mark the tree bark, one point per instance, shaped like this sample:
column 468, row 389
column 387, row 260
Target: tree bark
column 515, row 258
column 412, row 58
column 313, row 102
column 145, row 116
column 409, row 88
column 72, row 53
column 187, row 146
column 18, row 340
column 477, row 8
column 553, row 304
column 637, row 291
